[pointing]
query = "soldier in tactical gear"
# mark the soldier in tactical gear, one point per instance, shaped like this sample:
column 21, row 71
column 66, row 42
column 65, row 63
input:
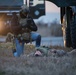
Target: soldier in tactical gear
column 25, row 35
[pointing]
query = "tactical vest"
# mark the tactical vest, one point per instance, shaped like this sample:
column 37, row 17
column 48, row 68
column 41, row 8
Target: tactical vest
column 25, row 32
column 23, row 22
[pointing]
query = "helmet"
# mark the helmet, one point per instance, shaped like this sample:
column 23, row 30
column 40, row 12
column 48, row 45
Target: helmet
column 24, row 11
column 24, row 6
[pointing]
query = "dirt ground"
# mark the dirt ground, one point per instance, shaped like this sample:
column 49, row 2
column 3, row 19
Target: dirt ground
column 31, row 65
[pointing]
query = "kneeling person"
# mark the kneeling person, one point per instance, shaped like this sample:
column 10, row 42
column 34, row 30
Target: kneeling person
column 27, row 24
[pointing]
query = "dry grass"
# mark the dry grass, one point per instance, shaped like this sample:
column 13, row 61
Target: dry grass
column 61, row 47
column 24, row 65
